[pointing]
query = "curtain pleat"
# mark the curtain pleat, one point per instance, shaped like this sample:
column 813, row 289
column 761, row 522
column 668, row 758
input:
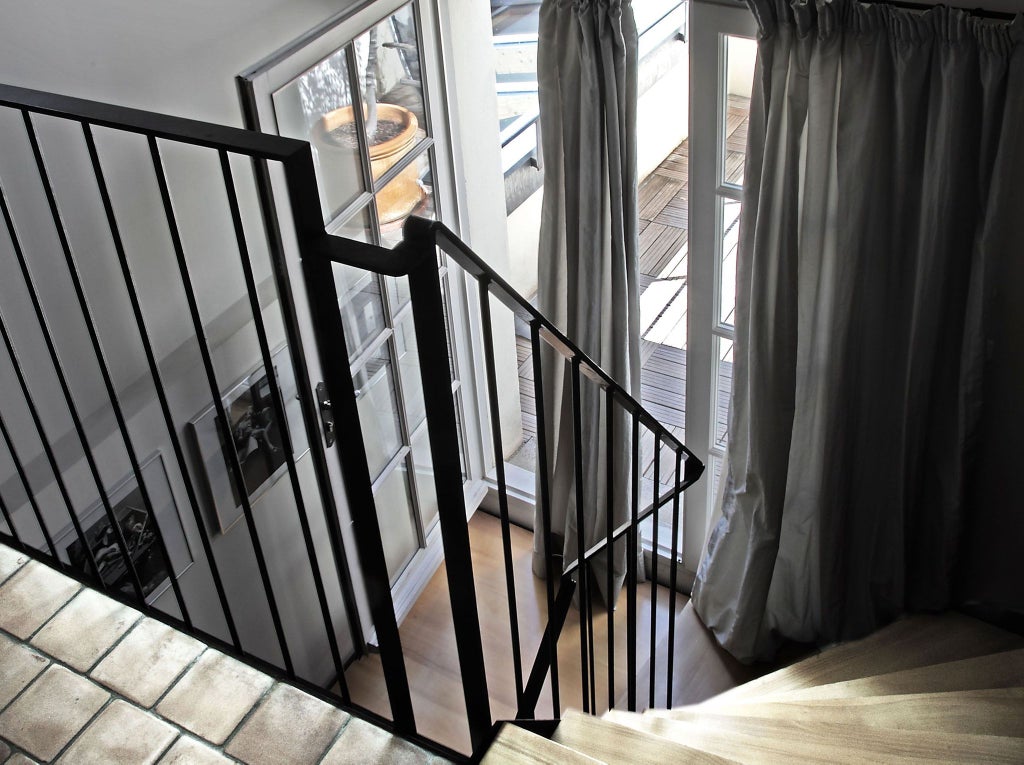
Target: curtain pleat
column 862, row 326
column 587, row 78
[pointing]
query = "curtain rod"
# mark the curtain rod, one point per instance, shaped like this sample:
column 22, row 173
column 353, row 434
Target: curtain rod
column 911, row 6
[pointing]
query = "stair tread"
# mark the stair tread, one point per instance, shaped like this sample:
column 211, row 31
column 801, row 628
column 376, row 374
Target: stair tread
column 1002, row 669
column 992, row 712
column 517, row 746
column 759, row 740
column 615, row 744
column 908, row 643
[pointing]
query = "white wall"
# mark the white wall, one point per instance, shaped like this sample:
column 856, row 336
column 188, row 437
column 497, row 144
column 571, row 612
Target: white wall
column 181, row 59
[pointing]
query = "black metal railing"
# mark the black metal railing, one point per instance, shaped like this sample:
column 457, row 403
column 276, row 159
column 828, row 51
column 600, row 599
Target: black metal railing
column 212, row 189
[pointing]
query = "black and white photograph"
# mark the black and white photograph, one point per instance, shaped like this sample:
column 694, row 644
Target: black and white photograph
column 140, row 532
column 254, row 433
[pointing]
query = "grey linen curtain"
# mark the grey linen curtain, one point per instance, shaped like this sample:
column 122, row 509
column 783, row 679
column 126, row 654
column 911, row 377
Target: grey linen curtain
column 882, row 203
column 587, row 76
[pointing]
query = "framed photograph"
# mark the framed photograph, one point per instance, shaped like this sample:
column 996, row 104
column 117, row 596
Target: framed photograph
column 139, row 529
column 254, row 433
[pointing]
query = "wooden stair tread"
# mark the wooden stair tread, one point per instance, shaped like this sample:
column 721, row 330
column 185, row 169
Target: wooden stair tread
column 991, row 712
column 517, row 746
column 1004, row 669
column 908, row 643
column 759, row 740
column 616, row 744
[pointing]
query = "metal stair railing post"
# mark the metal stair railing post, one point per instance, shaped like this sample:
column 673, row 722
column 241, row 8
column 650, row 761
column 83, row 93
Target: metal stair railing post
column 442, row 429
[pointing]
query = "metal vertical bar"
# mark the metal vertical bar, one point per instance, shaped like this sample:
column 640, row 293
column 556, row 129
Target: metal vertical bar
column 499, row 468
column 654, row 567
column 279, row 411
column 310, row 408
column 442, row 428
column 10, row 522
column 333, row 351
column 673, row 582
column 47, row 450
column 609, row 532
column 69, row 401
column 591, row 648
column 234, row 466
column 158, row 384
column 545, row 509
column 581, row 545
column 28, row 492
column 631, row 573
column 104, row 367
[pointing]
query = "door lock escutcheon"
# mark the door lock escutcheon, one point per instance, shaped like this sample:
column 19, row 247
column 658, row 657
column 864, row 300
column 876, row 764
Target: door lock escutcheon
column 326, row 414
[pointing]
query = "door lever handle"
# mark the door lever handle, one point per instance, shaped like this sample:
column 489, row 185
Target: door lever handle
column 326, row 414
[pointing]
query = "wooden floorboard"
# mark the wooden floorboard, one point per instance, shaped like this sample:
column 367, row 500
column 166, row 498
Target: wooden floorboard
column 664, row 221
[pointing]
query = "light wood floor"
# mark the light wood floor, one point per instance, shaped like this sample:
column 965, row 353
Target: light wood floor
column 428, row 642
column 701, row 668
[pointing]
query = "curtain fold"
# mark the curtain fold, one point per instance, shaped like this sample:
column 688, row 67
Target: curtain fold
column 587, row 260
column 869, row 239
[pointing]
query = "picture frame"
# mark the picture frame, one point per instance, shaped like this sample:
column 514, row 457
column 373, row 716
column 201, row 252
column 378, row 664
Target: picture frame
column 126, row 502
column 254, row 434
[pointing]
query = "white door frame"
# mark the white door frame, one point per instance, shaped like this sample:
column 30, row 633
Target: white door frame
column 710, row 24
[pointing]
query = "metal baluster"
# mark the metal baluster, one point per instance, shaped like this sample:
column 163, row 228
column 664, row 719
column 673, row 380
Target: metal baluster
column 584, row 585
column 632, row 547
column 610, row 541
column 68, row 398
column 545, row 508
column 654, row 566
column 442, row 429
column 282, row 418
column 104, row 368
column 158, row 384
column 234, row 466
column 499, row 468
column 673, row 581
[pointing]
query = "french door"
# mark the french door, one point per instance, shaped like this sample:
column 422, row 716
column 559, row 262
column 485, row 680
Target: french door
column 359, row 89
column 722, row 56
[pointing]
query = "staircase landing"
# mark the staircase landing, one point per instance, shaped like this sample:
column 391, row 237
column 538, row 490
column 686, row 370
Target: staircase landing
column 85, row 679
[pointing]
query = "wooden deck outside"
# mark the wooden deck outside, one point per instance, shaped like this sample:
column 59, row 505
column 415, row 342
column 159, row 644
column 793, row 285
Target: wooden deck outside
column 663, row 203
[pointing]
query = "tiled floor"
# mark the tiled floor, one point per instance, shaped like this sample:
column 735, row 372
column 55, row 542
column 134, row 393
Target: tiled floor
column 84, row 679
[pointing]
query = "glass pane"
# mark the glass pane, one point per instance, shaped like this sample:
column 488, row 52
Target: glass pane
column 362, row 310
column 425, row 488
column 740, row 53
column 723, row 391
column 357, row 227
column 409, row 364
column 394, row 513
column 316, row 107
column 730, row 239
column 411, row 192
column 392, row 93
column 375, row 399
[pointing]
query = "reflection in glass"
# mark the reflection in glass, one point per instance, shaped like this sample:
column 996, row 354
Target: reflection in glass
column 410, row 193
column 730, row 239
column 311, row 108
column 424, row 478
column 375, row 399
column 362, row 310
column 390, row 86
column 409, row 366
column 741, row 52
column 394, row 513
column 723, row 391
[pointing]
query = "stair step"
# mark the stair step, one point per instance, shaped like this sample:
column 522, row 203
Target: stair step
column 758, row 740
column 619, row 745
column 909, row 643
column 995, row 670
column 517, row 746
column 998, row 712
